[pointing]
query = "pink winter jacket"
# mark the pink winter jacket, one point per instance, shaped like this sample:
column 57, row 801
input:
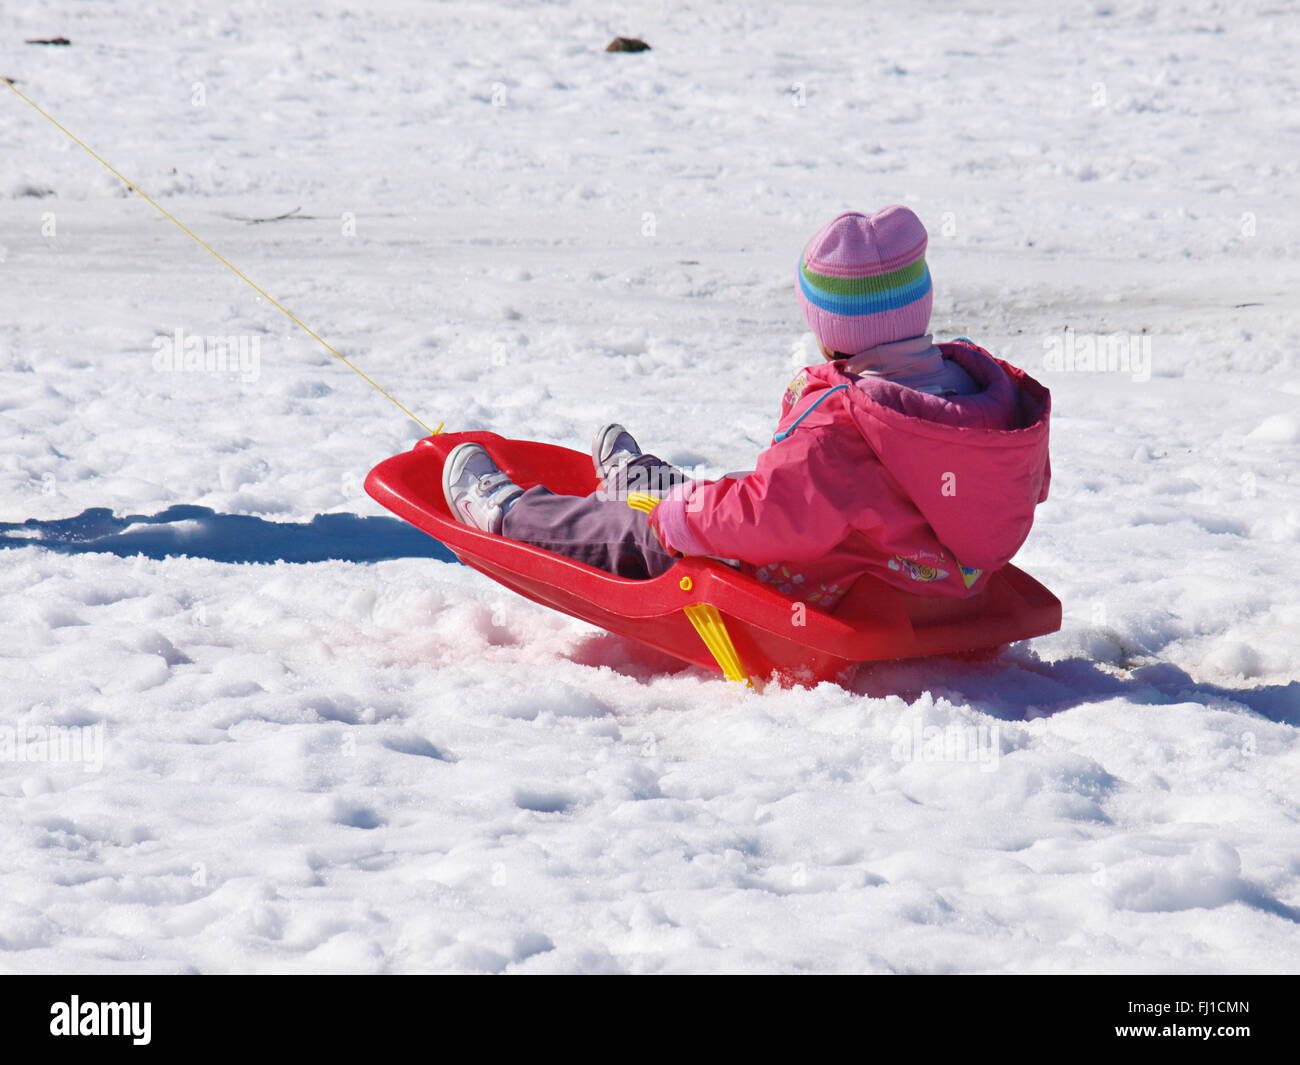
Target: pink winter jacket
column 930, row 493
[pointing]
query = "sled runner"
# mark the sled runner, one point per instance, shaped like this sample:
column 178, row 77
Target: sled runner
column 702, row 611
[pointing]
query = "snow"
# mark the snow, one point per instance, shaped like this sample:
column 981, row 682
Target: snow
column 370, row 758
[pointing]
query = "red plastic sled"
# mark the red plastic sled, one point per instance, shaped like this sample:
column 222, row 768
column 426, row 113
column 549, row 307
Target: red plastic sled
column 701, row 610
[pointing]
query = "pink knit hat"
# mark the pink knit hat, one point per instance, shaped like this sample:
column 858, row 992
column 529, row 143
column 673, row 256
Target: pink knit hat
column 863, row 280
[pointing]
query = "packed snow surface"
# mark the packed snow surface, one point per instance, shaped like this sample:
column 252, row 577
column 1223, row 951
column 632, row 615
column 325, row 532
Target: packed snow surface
column 253, row 723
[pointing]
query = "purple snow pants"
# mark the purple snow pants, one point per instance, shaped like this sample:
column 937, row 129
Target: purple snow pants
column 600, row 529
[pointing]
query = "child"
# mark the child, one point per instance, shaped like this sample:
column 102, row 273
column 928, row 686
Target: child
column 918, row 463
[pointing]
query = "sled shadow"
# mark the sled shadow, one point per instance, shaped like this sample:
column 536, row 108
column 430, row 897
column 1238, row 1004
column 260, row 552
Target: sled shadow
column 1011, row 685
column 200, row 532
column 1017, row 686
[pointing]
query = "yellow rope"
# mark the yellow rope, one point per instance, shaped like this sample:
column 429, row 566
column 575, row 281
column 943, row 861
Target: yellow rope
column 219, row 257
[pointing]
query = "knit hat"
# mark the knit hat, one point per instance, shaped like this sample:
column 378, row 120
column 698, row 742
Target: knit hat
column 863, row 280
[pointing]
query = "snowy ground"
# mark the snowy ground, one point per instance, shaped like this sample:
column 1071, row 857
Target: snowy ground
column 371, row 758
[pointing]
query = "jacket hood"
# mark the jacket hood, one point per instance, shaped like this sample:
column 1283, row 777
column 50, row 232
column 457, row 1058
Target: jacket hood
column 975, row 466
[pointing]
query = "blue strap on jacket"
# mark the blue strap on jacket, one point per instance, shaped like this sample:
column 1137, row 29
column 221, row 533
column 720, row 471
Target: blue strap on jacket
column 781, row 436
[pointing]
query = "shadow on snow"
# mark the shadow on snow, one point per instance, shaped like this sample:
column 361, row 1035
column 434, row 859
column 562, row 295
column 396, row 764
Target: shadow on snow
column 1017, row 686
column 201, row 532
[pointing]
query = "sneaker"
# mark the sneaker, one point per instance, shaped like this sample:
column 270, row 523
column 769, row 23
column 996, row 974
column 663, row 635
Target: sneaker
column 611, row 448
column 477, row 491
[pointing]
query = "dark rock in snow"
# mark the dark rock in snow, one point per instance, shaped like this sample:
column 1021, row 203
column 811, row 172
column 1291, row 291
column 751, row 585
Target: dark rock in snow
column 48, row 40
column 627, row 44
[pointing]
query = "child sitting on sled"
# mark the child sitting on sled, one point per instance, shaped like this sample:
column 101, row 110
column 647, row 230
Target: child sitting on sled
column 917, row 462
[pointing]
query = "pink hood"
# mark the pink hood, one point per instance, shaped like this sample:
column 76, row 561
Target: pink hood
column 974, row 466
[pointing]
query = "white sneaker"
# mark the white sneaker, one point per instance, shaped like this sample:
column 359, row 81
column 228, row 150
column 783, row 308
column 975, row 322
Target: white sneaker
column 612, row 447
column 477, row 491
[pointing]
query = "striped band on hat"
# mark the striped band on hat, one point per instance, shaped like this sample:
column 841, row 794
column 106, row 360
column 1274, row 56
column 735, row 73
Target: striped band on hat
column 865, row 295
